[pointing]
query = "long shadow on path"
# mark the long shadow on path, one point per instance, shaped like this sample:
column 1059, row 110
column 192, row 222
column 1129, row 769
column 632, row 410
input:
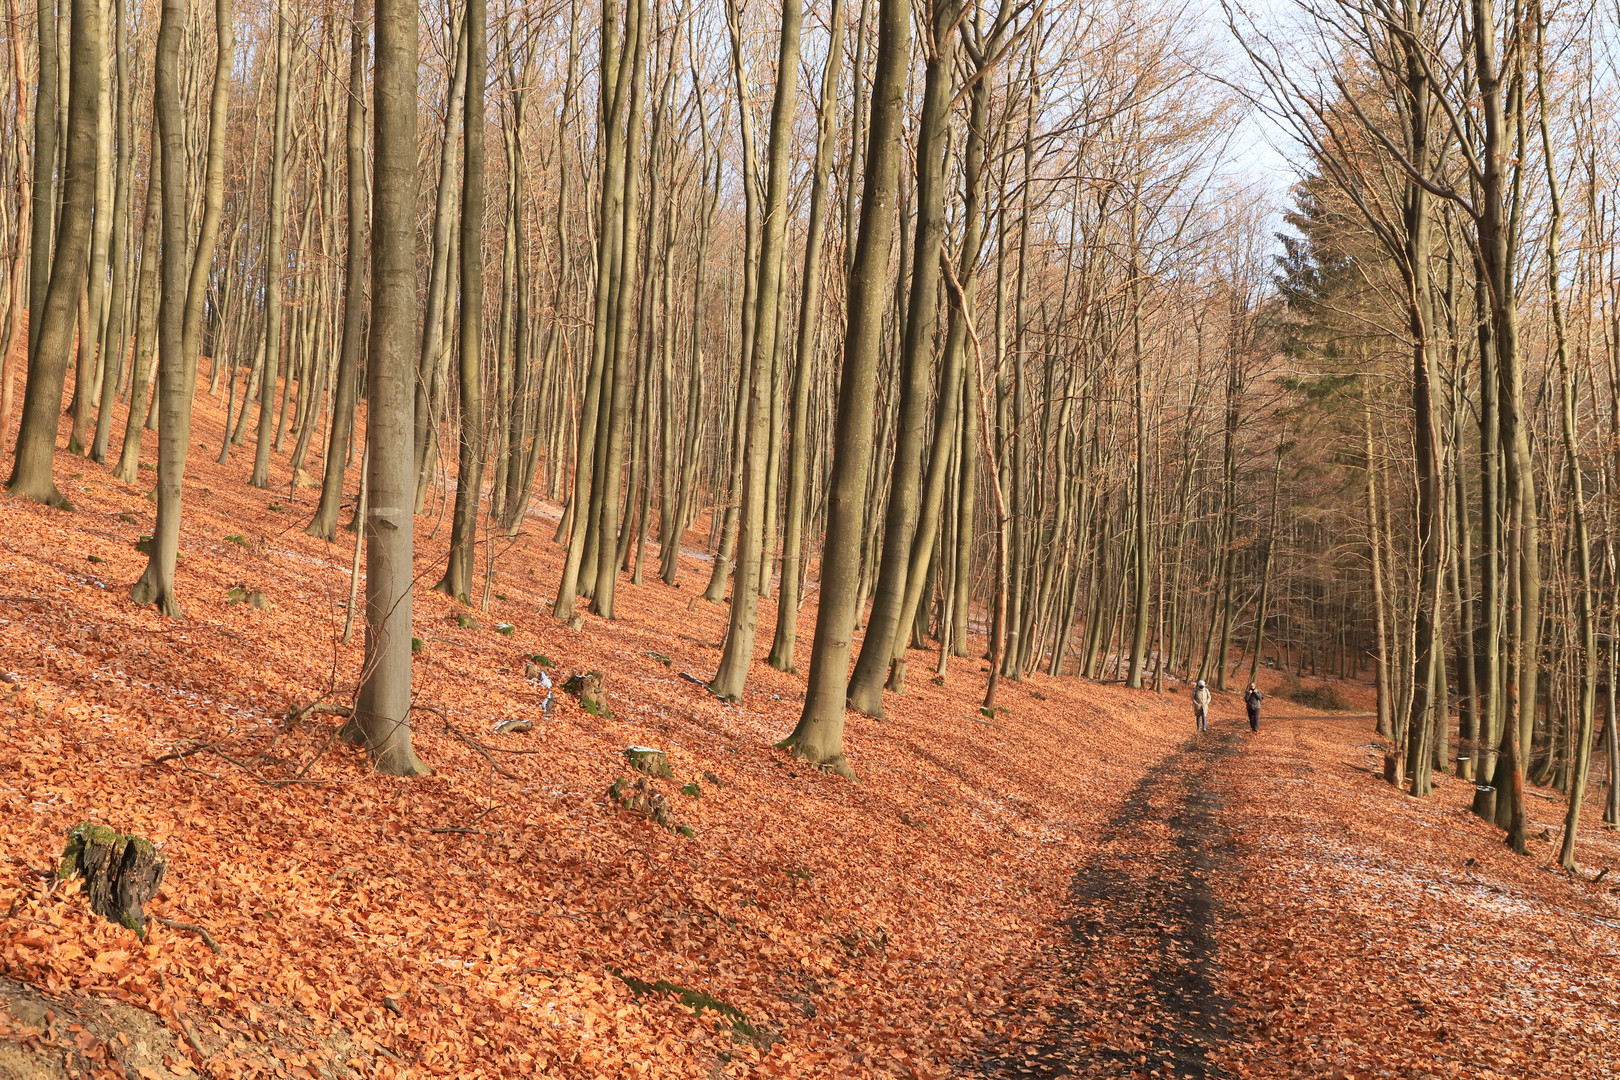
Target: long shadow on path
column 1135, row 990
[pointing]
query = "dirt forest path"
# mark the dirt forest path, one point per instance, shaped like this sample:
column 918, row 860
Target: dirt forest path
column 1265, row 906
column 1139, row 951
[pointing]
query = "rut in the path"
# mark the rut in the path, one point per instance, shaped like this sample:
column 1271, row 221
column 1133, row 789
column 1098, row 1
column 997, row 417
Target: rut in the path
column 1138, row 962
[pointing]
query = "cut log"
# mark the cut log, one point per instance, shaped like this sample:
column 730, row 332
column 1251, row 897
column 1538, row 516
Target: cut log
column 121, row 872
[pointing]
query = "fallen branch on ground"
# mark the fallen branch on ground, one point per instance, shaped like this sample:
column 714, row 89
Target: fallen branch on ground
column 469, row 740
column 317, row 708
column 208, row 939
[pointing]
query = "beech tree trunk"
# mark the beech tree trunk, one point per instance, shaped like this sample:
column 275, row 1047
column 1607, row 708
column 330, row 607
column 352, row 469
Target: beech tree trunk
column 382, row 711
column 819, row 735
column 435, row 318
column 790, row 594
column 146, row 304
column 274, row 257
column 18, row 297
column 884, row 629
column 112, row 351
column 31, row 476
column 457, row 580
column 325, row 522
column 180, row 318
column 738, row 655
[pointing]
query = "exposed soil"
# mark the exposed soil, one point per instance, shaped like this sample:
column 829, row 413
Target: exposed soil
column 1140, row 952
column 46, row 1037
column 1266, row 906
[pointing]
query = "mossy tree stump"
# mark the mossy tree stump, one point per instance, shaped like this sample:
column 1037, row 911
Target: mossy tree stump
column 640, row 798
column 121, row 872
column 588, row 687
column 650, row 761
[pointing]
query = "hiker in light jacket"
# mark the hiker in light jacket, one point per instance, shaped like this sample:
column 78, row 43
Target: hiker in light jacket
column 1201, row 700
column 1251, row 701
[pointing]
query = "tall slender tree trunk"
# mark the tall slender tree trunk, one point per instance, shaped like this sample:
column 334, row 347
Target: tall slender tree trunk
column 48, row 358
column 144, row 350
column 710, row 183
column 274, row 256
column 614, row 70
column 616, row 370
column 1497, row 224
column 1428, row 651
column 1261, row 611
column 1586, row 647
column 965, row 502
column 790, row 593
column 112, row 350
column 738, row 655
column 318, row 395
column 382, row 712
column 1144, row 534
column 18, row 300
column 1386, row 727
column 819, row 735
column 184, row 287
column 457, row 580
column 325, row 522
column 741, row 430
column 885, row 636
column 42, row 227
column 86, row 386
column 435, row 318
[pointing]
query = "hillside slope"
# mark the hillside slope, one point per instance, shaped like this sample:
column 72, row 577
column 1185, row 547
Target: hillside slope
column 504, row 917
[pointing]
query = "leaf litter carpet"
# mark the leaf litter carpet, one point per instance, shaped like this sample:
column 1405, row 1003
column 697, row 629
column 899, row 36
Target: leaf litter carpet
column 1070, row 872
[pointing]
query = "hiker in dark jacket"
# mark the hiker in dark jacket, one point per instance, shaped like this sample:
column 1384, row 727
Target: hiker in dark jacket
column 1251, row 701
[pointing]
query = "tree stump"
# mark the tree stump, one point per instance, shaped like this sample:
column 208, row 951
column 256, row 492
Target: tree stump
column 641, row 799
column 588, row 688
column 650, row 761
column 121, row 872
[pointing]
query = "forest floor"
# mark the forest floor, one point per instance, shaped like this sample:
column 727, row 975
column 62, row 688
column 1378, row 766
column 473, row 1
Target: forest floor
column 1078, row 886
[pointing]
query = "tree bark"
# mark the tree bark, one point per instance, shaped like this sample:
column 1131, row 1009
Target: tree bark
column 616, row 373
column 112, row 350
column 889, row 607
column 738, row 655
column 1586, row 647
column 86, row 386
column 48, row 360
column 790, row 594
column 18, row 300
column 144, row 345
column 43, row 200
column 180, row 317
column 325, row 522
column 274, row 256
column 457, row 580
column 434, row 316
column 614, row 72
column 382, row 711
column 819, row 735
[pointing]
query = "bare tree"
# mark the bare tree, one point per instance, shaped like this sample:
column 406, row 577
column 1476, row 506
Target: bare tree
column 48, row 357
column 382, row 711
column 819, row 735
